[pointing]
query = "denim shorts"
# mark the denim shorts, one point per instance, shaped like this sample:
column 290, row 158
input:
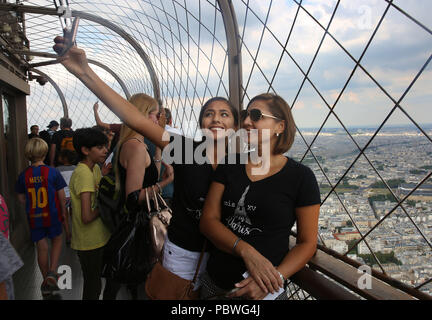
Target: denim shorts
column 50, row 232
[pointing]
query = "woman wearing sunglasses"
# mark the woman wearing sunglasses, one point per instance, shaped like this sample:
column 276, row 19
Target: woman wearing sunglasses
column 249, row 212
column 192, row 178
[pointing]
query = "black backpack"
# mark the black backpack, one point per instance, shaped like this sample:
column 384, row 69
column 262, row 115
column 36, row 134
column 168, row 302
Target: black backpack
column 110, row 202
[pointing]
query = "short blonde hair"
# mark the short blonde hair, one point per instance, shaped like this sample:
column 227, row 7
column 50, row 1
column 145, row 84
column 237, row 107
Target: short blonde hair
column 36, row 149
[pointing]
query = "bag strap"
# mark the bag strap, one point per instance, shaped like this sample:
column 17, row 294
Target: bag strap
column 147, row 201
column 155, row 199
column 161, row 199
column 199, row 262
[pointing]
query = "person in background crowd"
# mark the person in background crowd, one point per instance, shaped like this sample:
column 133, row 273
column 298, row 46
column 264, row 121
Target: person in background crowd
column 61, row 140
column 67, row 159
column 34, row 131
column 10, row 262
column 41, row 189
column 89, row 234
column 110, row 135
column 47, row 135
column 4, row 217
column 113, row 127
column 169, row 125
column 168, row 191
column 116, row 127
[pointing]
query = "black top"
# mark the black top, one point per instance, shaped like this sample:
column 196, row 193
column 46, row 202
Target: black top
column 192, row 180
column 151, row 173
column 262, row 213
column 57, row 140
column 46, row 135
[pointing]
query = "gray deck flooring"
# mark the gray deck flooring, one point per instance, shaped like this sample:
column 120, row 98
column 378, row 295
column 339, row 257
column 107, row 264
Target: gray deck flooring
column 28, row 279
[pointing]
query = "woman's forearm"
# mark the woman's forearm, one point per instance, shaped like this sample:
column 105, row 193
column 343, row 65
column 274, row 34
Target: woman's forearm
column 123, row 108
column 158, row 159
column 296, row 259
column 222, row 238
column 164, row 182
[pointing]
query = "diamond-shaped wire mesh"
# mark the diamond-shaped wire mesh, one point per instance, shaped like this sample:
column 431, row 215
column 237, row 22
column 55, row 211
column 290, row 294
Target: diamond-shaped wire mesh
column 356, row 74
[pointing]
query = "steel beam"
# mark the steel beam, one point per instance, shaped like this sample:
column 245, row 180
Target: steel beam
column 57, row 88
column 234, row 53
column 104, row 22
column 60, row 93
column 91, row 61
column 115, row 76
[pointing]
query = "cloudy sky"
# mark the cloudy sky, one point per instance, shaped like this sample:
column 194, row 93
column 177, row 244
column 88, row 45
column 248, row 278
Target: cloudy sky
column 186, row 43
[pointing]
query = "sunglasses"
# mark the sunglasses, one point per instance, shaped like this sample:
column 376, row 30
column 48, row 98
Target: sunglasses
column 255, row 115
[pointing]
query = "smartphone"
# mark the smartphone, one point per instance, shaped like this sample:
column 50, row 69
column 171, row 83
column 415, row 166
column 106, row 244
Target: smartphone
column 70, row 35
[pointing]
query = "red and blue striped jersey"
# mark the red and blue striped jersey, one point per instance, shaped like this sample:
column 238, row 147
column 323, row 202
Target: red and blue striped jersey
column 40, row 185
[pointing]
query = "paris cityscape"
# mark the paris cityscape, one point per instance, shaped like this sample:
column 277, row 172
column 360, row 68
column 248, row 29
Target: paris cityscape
column 402, row 157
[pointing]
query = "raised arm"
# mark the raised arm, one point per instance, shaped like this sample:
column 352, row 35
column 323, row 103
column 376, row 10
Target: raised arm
column 75, row 61
column 261, row 269
column 99, row 122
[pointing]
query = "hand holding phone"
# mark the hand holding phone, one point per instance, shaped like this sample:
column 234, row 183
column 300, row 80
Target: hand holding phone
column 70, row 36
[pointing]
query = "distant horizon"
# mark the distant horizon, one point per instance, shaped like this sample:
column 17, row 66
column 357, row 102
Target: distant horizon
column 373, row 126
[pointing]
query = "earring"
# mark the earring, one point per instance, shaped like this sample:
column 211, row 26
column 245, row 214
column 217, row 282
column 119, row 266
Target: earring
column 277, row 134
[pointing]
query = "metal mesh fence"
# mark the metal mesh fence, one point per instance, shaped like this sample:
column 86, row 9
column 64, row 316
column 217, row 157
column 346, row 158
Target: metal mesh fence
column 355, row 73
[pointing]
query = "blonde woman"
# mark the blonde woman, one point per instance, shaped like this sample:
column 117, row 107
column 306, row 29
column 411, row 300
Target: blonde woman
column 138, row 169
column 135, row 167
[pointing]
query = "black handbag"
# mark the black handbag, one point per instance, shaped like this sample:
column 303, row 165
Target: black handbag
column 128, row 256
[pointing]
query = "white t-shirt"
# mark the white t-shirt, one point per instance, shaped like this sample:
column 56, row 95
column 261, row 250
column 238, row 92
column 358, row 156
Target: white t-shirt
column 66, row 172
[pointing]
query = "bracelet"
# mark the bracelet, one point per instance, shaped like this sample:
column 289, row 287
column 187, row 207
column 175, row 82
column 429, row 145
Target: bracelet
column 235, row 243
column 157, row 160
column 283, row 279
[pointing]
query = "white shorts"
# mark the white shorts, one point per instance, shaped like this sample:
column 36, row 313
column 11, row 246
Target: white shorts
column 183, row 262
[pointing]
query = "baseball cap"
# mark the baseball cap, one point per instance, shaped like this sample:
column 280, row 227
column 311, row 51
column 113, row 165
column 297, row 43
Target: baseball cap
column 53, row 123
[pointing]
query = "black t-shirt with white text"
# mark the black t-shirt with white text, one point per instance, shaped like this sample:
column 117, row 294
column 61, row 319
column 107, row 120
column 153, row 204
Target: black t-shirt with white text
column 261, row 213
